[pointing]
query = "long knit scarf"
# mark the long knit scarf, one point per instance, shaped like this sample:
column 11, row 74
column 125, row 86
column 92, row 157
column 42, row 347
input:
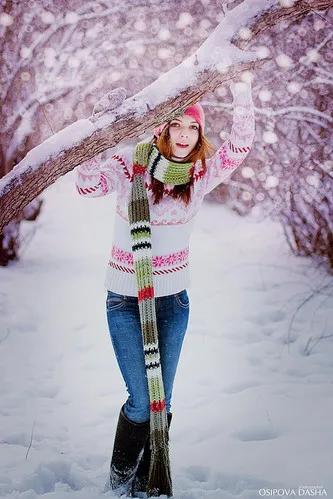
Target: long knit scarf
column 147, row 157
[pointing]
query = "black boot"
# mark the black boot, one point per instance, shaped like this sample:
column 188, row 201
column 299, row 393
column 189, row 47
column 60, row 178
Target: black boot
column 129, row 441
column 140, row 482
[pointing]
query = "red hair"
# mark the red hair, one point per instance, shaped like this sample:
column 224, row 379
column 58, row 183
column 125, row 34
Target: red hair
column 201, row 151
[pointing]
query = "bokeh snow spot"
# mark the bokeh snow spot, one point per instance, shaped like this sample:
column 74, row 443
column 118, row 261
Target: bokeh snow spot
column 262, row 51
column 247, row 196
column 294, row 87
column 247, row 76
column 164, row 53
column 313, row 55
column 247, row 172
column 269, row 137
column 71, row 17
column 6, row 19
column 25, row 76
column 164, row 34
column 47, row 17
column 318, row 24
column 185, row 19
column 313, row 180
column 284, row 61
column 271, row 181
column 287, row 3
column 140, row 25
column 260, row 196
column 244, row 33
column 265, row 95
column 25, row 52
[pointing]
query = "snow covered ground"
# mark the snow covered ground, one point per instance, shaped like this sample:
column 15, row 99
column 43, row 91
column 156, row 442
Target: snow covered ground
column 253, row 399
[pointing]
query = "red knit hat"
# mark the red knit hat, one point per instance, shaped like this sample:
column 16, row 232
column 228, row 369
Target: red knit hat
column 195, row 111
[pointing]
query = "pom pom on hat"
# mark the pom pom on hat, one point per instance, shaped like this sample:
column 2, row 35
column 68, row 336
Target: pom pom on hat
column 195, row 111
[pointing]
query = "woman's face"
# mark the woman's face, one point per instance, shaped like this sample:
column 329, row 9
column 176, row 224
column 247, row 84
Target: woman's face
column 184, row 134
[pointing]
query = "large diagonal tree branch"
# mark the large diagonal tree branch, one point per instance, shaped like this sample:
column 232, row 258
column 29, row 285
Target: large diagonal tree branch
column 218, row 60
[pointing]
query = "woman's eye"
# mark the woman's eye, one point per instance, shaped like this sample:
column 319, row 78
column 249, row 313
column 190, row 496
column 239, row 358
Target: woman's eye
column 194, row 127
column 174, row 124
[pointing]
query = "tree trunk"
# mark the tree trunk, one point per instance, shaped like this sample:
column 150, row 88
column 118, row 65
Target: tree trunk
column 217, row 61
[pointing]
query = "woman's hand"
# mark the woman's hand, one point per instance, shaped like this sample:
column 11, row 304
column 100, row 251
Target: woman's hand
column 241, row 91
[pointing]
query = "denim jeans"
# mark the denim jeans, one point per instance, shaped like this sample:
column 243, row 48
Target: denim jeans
column 172, row 313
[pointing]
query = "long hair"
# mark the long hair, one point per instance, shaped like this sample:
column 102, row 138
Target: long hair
column 201, row 151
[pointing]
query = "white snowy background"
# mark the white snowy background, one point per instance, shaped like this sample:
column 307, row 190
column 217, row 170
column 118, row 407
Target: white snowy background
column 253, row 398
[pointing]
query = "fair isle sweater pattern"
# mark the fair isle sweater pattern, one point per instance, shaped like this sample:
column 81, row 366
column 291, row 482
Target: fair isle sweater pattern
column 117, row 254
column 171, row 220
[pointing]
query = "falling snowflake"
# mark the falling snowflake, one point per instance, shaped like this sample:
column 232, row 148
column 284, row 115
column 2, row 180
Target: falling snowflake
column 269, row 137
column 247, row 172
column 47, row 17
column 294, row 87
column 271, row 181
column 265, row 95
column 284, row 61
column 71, row 18
column 6, row 19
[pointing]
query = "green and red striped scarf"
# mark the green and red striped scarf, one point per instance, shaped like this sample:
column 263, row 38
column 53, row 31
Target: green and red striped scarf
column 147, row 157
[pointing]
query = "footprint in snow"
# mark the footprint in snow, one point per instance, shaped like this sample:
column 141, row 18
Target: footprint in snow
column 263, row 318
column 256, row 433
column 240, row 387
column 212, row 480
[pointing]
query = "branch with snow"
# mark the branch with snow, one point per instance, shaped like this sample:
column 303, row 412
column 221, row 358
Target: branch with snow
column 290, row 110
column 217, row 61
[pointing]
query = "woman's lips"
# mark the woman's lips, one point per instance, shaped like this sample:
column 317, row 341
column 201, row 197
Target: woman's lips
column 182, row 146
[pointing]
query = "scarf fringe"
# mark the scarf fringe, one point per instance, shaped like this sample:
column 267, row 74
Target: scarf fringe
column 159, row 481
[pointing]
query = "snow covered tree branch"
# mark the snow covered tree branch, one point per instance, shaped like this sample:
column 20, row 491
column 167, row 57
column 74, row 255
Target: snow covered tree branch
column 218, row 60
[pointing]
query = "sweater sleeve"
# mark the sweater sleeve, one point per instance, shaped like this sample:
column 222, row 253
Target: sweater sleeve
column 95, row 178
column 234, row 150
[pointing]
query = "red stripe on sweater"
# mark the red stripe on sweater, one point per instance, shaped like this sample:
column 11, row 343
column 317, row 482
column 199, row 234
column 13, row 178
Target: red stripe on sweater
column 146, row 293
column 157, row 405
column 123, row 164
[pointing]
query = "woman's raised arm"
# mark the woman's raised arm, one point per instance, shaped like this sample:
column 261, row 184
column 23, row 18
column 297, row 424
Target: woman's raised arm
column 95, row 178
column 234, row 150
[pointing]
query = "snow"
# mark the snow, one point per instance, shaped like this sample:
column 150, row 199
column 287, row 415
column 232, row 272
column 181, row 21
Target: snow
column 253, row 397
column 47, row 17
column 6, row 19
column 265, row 95
column 284, row 61
column 269, row 137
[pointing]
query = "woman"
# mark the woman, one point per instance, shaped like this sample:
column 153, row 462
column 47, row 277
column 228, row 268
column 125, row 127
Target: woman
column 160, row 185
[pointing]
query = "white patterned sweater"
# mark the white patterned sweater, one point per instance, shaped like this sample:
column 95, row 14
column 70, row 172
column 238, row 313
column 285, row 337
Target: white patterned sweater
column 171, row 219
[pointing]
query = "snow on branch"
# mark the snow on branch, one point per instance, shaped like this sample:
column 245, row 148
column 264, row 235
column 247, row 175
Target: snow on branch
column 269, row 112
column 217, row 61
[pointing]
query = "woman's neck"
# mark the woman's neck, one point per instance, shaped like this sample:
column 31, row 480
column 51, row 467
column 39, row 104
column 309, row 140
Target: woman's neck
column 177, row 159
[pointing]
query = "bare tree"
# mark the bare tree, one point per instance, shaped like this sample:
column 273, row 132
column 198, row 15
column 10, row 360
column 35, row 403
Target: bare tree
column 290, row 173
column 49, row 59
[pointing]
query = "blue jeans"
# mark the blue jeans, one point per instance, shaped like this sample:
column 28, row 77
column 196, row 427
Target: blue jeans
column 172, row 313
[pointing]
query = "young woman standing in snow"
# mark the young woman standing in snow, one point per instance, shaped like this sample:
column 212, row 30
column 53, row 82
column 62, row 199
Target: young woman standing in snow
column 160, row 185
